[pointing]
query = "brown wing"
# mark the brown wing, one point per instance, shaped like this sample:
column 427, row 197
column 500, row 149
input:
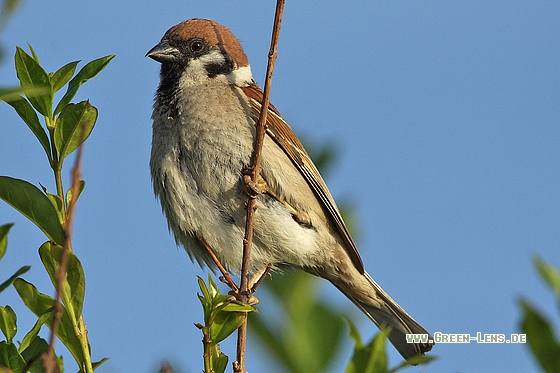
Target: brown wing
column 283, row 135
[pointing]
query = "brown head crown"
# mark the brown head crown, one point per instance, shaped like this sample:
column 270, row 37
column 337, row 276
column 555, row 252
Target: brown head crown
column 214, row 34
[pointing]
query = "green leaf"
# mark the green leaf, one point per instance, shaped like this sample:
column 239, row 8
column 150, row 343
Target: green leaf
column 40, row 304
column 33, row 204
column 203, row 288
column 31, row 74
column 13, row 277
column 33, row 352
column 74, row 282
column 541, row 338
column 309, row 338
column 63, row 75
column 205, row 300
column 550, row 275
column 29, row 116
column 219, row 360
column 9, row 93
column 212, row 287
column 8, row 7
column 4, row 229
column 34, row 332
column 371, row 358
column 378, row 360
column 73, row 126
column 35, row 57
column 415, row 360
column 59, row 362
column 354, row 333
column 96, row 364
column 234, row 307
column 324, row 329
column 37, row 302
column 220, row 301
column 10, row 357
column 8, row 322
column 87, row 72
column 57, row 204
column 224, row 324
column 69, row 193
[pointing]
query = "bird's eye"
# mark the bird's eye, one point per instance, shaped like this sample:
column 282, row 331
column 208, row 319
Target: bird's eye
column 196, row 46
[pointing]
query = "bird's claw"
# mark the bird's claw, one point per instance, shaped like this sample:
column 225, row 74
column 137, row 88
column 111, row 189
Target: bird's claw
column 253, row 188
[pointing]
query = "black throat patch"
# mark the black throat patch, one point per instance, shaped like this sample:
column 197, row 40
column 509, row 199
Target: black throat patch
column 167, row 92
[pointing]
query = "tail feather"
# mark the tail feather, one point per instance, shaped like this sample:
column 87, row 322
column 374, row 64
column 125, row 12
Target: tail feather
column 392, row 315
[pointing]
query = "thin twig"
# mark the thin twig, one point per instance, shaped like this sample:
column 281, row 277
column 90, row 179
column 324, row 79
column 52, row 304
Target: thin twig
column 48, row 358
column 259, row 277
column 244, row 293
column 225, row 275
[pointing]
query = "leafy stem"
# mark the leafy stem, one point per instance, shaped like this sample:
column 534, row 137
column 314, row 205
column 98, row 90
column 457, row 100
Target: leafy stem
column 207, row 346
column 222, row 316
column 68, row 125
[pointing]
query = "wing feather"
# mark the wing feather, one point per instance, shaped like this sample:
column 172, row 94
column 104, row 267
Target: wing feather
column 282, row 134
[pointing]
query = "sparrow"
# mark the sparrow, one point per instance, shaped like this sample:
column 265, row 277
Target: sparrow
column 204, row 115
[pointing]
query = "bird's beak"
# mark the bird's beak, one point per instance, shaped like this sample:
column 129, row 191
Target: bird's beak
column 164, row 53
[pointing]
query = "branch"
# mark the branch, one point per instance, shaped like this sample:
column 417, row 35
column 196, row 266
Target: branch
column 244, row 293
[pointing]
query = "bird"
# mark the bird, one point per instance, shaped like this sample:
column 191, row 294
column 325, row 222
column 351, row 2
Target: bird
column 204, row 116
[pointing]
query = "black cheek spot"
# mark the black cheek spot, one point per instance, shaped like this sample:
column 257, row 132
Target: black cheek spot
column 216, row 69
column 223, row 68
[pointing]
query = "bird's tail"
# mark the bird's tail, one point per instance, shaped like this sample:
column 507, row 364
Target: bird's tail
column 390, row 314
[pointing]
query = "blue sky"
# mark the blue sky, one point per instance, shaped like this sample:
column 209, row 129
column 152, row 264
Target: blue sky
column 446, row 116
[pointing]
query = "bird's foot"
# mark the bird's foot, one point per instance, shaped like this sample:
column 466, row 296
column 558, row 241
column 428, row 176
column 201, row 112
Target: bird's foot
column 252, row 188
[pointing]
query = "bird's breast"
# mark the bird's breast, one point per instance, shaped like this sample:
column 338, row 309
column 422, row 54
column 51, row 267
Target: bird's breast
column 208, row 142
column 215, row 139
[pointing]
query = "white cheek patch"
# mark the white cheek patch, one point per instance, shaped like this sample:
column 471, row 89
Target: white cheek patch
column 197, row 72
column 196, row 68
column 241, row 77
